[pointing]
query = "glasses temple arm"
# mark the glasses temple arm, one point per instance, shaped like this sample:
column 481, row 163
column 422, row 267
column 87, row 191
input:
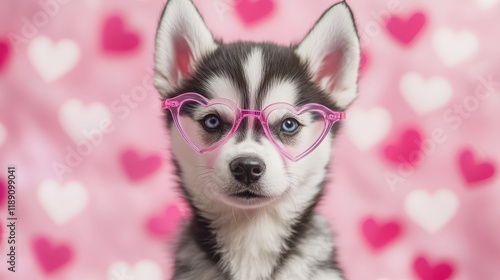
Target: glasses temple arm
column 336, row 116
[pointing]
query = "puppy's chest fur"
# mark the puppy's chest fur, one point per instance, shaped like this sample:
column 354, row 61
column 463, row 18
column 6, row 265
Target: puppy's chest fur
column 259, row 248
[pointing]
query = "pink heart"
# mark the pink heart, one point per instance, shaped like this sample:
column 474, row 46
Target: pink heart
column 51, row 257
column 137, row 167
column 406, row 30
column 425, row 271
column 4, row 54
column 3, row 193
column 252, row 12
column 379, row 234
column 164, row 224
column 364, row 62
column 116, row 39
column 472, row 171
column 407, row 149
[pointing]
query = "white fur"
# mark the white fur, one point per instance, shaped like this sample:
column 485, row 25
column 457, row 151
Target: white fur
column 334, row 32
column 181, row 20
column 223, row 87
column 253, row 71
column 281, row 91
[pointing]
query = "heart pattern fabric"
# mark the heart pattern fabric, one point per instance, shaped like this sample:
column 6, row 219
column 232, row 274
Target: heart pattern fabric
column 3, row 192
column 83, row 121
column 138, row 167
column 251, row 12
column 487, row 4
column 4, row 54
column 427, row 271
column 406, row 149
column 425, row 95
column 445, row 42
column 474, row 171
column 380, row 234
column 431, row 210
column 366, row 128
column 77, row 98
column 144, row 269
column 50, row 255
column 116, row 38
column 52, row 60
column 405, row 30
column 62, row 202
column 165, row 224
column 3, row 134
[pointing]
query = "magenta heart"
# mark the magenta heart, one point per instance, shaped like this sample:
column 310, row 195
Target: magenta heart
column 116, row 39
column 363, row 62
column 137, row 167
column 164, row 224
column 472, row 171
column 425, row 271
column 406, row 30
column 51, row 257
column 251, row 12
column 3, row 193
column 4, row 54
column 379, row 234
column 406, row 150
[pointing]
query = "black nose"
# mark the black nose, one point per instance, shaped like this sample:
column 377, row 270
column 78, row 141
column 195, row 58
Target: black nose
column 247, row 169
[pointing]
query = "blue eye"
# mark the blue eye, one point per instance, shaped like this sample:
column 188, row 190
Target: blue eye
column 289, row 126
column 211, row 122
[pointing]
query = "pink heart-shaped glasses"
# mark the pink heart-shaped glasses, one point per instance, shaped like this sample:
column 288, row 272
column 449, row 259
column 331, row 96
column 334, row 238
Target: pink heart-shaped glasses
column 205, row 124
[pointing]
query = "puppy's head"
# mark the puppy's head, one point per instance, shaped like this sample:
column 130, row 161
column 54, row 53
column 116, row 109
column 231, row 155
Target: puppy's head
column 248, row 171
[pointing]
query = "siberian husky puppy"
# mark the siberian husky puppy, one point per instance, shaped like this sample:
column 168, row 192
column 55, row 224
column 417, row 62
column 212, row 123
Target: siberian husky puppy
column 251, row 127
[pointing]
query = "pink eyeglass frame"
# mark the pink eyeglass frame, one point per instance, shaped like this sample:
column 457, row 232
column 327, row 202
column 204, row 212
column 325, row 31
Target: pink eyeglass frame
column 173, row 105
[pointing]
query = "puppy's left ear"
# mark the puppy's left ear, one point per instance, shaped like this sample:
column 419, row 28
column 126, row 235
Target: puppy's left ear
column 182, row 40
column 331, row 50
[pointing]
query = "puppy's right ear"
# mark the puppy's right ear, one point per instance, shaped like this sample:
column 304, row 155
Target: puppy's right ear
column 182, row 40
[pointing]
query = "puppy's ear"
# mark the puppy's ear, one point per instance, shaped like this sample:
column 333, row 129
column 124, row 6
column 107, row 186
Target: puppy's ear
column 182, row 40
column 331, row 50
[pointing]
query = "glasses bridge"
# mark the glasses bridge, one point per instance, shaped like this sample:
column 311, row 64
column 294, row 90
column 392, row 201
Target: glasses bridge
column 251, row 113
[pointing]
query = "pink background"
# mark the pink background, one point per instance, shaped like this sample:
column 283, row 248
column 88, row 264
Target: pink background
column 414, row 193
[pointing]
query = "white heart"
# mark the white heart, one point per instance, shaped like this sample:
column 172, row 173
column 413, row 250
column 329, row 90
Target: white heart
column 143, row 270
column 3, row 134
column 367, row 127
column 53, row 60
column 79, row 120
column 487, row 4
column 431, row 211
column 425, row 95
column 454, row 48
column 62, row 203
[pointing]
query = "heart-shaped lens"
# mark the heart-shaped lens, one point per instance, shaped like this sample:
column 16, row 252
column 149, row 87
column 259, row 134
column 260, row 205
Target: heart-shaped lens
column 296, row 132
column 205, row 125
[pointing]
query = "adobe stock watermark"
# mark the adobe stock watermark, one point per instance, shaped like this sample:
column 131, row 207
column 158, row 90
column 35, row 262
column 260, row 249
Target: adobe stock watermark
column 221, row 7
column 454, row 118
column 121, row 109
column 31, row 25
